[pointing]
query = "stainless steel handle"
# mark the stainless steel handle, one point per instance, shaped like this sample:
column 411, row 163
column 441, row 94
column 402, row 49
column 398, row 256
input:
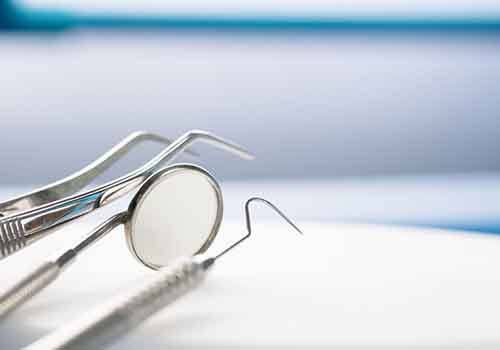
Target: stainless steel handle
column 12, row 236
column 46, row 273
column 19, row 231
column 28, row 286
column 107, row 323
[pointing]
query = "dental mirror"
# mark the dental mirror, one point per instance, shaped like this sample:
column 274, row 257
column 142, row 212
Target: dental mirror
column 176, row 212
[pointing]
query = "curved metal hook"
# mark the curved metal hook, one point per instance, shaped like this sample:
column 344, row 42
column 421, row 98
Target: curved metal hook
column 249, row 225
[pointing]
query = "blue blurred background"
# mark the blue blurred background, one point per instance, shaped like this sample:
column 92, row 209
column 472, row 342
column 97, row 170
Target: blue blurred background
column 341, row 92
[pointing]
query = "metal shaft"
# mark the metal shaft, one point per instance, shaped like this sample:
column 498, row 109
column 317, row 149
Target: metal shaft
column 30, row 285
column 107, row 323
column 46, row 273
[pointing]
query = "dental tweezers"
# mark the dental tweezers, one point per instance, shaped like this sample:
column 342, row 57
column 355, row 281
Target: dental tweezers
column 30, row 217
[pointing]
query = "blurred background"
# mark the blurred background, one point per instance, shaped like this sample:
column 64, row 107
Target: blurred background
column 368, row 110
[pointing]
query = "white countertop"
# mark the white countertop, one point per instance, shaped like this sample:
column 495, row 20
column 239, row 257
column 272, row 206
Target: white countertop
column 339, row 285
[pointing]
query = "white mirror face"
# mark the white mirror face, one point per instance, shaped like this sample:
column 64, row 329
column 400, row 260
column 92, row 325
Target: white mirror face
column 175, row 217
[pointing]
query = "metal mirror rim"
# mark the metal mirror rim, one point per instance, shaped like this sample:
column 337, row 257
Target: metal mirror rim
column 149, row 185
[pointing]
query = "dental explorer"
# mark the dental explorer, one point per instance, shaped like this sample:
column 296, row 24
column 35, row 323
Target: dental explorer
column 176, row 212
column 109, row 322
column 28, row 218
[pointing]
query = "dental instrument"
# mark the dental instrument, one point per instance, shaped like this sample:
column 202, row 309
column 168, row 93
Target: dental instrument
column 28, row 218
column 107, row 323
column 176, row 212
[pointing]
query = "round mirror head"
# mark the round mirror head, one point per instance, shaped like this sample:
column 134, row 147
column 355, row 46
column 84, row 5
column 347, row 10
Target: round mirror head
column 177, row 212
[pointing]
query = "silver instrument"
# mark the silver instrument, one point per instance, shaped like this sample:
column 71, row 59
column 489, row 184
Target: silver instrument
column 111, row 321
column 176, row 212
column 27, row 218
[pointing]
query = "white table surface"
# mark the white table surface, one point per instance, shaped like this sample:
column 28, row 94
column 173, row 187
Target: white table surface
column 339, row 285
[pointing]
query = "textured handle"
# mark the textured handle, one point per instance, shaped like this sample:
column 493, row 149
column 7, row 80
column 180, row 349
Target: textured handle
column 105, row 324
column 28, row 287
column 12, row 237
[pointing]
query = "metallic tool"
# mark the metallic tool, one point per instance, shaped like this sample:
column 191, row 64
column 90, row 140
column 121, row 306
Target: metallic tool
column 110, row 322
column 26, row 219
column 176, row 212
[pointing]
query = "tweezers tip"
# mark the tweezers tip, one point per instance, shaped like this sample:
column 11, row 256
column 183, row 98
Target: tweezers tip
column 221, row 142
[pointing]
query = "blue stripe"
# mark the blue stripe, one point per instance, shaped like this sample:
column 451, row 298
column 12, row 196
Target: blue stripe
column 22, row 19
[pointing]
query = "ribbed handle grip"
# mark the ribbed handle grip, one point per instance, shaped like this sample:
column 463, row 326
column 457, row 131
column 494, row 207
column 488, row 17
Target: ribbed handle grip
column 105, row 324
column 12, row 237
column 28, row 286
